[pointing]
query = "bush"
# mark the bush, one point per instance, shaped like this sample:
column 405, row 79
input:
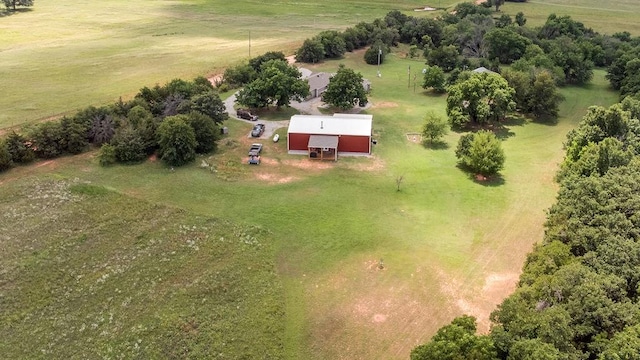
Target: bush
column 5, row 156
column 177, row 141
column 107, row 155
column 206, row 132
column 19, row 148
column 128, row 145
column 48, row 140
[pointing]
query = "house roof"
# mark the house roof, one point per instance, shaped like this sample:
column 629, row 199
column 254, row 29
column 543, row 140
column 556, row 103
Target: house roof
column 319, row 80
column 483, row 69
column 338, row 124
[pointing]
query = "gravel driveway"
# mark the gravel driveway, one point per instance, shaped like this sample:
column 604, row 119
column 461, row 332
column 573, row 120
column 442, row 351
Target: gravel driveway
column 309, row 107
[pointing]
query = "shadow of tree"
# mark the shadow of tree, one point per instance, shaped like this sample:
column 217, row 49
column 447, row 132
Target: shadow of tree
column 10, row 12
column 436, row 145
column 488, row 181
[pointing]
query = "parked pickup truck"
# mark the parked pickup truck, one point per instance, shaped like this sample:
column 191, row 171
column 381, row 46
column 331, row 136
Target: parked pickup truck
column 254, row 159
column 255, row 149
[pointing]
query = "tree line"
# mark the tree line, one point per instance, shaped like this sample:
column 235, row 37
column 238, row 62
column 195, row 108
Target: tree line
column 176, row 121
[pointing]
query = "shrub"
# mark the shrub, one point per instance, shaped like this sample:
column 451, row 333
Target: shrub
column 107, row 155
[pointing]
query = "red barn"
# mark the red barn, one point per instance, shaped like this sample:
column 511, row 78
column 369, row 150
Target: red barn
column 326, row 137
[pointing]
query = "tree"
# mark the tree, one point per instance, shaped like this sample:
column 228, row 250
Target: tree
column 434, row 78
column 544, row 100
column 75, row 135
column 19, row 149
column 503, row 21
column 505, row 44
column 277, row 84
column 434, row 128
column 333, row 44
column 48, row 140
column 209, row 104
column 128, row 146
column 376, row 53
column 520, row 19
column 445, row 57
column 481, row 153
column 566, row 54
column 206, row 132
column 483, row 97
column 534, row 349
column 5, row 156
column 239, row 75
column 13, row 3
column 256, row 62
column 311, row 51
column 345, row 89
column 456, row 341
column 107, row 155
column 177, row 141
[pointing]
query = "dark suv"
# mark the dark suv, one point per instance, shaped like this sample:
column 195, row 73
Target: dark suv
column 246, row 114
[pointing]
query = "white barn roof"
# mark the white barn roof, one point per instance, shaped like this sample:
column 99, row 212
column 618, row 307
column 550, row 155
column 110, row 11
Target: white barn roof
column 338, row 124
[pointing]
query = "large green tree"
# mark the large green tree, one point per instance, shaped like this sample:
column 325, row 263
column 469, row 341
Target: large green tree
column 434, row 78
column 481, row 98
column 481, row 153
column 177, row 141
column 345, row 89
column 277, row 84
column 457, row 341
column 505, row 44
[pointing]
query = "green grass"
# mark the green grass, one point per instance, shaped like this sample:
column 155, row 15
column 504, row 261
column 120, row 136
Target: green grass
column 88, row 273
column 606, row 17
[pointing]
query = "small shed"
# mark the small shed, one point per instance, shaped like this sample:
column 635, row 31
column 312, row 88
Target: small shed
column 326, row 137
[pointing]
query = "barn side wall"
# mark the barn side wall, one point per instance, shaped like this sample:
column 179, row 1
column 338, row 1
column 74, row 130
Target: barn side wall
column 350, row 143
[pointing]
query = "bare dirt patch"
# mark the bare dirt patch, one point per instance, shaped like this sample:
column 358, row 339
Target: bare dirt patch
column 425, row 8
column 215, row 80
column 414, row 137
column 308, row 164
column 275, row 178
column 291, row 59
column 371, row 164
column 478, row 302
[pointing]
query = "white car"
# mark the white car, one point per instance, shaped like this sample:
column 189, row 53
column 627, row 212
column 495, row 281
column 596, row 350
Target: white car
column 276, row 137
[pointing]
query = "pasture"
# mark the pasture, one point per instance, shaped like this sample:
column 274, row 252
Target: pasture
column 313, row 288
column 92, row 53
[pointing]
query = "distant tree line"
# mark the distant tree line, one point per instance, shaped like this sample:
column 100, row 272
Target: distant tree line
column 560, row 52
column 176, row 121
column 579, row 293
column 13, row 4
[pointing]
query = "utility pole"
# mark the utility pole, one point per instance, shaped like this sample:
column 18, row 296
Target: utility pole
column 379, row 54
column 409, row 76
column 249, row 44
